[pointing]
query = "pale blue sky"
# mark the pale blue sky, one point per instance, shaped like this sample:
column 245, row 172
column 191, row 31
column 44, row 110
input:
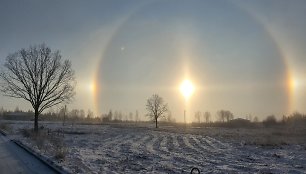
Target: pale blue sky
column 237, row 53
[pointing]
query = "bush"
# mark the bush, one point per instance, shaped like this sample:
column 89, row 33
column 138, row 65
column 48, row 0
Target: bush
column 295, row 120
column 60, row 150
column 40, row 141
column 60, row 153
column 50, row 142
column 270, row 121
column 26, row 132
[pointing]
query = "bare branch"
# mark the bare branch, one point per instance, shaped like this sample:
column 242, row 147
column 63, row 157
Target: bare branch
column 39, row 76
column 156, row 108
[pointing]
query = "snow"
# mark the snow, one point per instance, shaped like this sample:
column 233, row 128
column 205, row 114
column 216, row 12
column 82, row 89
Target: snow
column 133, row 149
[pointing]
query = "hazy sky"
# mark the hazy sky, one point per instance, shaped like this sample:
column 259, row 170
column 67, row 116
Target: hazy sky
column 244, row 56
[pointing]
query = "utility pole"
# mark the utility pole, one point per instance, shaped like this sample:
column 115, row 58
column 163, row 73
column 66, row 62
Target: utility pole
column 185, row 116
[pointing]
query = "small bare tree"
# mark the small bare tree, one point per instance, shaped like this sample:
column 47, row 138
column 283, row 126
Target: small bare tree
column 39, row 76
column 131, row 116
column 207, row 116
column 90, row 114
column 197, row 116
column 136, row 116
column 225, row 115
column 255, row 120
column 156, row 108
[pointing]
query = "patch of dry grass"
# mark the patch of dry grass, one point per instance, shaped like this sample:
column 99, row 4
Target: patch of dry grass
column 267, row 137
column 6, row 127
column 45, row 141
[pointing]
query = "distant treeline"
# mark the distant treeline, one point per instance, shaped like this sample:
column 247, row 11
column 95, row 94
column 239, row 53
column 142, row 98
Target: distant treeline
column 72, row 116
column 62, row 114
column 294, row 120
column 223, row 118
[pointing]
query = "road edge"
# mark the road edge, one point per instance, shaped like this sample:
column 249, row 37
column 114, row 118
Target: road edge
column 46, row 161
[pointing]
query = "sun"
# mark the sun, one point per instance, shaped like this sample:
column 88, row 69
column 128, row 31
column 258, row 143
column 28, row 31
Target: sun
column 186, row 88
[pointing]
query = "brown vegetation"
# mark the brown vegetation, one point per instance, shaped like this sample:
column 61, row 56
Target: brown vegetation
column 47, row 141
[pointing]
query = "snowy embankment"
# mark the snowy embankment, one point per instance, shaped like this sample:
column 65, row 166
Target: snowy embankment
column 122, row 149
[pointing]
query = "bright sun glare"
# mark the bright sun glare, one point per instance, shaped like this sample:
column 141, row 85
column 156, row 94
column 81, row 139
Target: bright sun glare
column 92, row 87
column 186, row 88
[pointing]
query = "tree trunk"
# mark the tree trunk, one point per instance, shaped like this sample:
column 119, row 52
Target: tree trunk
column 155, row 122
column 36, row 120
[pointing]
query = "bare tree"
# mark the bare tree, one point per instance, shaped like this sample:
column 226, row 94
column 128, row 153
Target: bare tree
column 136, row 116
column 169, row 117
column 229, row 116
column 197, row 116
column 131, row 116
column 225, row 115
column 17, row 109
column 255, row 120
column 249, row 117
column 156, row 108
column 270, row 121
column 1, row 111
column 82, row 114
column 221, row 115
column 207, row 116
column 116, row 115
column 110, row 115
column 120, row 116
column 39, row 76
column 90, row 114
column 63, row 112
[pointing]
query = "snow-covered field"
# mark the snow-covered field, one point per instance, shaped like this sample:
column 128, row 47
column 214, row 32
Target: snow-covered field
column 134, row 149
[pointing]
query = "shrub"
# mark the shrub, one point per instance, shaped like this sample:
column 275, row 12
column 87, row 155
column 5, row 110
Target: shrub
column 60, row 153
column 59, row 147
column 51, row 142
column 26, row 132
column 270, row 121
column 40, row 141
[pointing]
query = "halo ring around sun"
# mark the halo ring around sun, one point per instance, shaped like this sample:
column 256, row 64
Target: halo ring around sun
column 280, row 50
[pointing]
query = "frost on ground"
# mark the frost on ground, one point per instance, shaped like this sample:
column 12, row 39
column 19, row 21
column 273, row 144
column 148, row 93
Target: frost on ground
column 131, row 149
